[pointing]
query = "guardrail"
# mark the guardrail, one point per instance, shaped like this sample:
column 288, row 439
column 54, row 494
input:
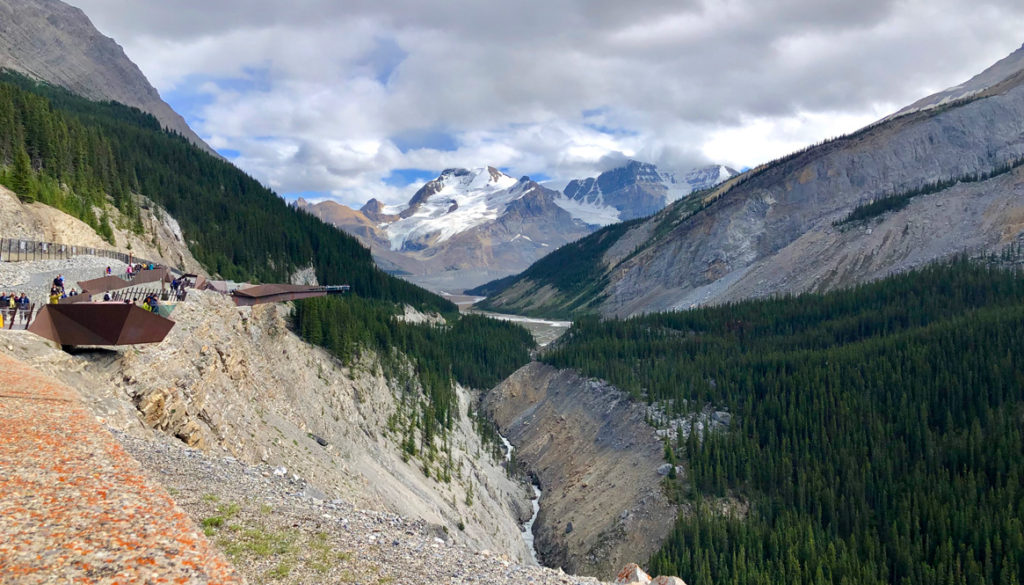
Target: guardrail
column 22, row 250
column 17, row 318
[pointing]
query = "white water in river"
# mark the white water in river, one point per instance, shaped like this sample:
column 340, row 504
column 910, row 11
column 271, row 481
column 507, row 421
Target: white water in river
column 528, row 526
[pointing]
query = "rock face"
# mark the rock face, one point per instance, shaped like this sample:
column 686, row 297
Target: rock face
column 770, row 231
column 56, row 43
column 235, row 381
column 596, row 461
column 40, row 222
column 632, row 574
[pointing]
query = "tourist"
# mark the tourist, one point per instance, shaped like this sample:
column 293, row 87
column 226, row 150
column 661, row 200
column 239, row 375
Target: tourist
column 108, row 271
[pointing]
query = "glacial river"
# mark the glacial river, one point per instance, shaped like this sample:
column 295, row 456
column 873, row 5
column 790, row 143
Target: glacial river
column 528, row 525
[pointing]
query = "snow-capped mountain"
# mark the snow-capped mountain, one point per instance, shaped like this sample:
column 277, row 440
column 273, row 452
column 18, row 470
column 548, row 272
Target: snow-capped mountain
column 456, row 201
column 639, row 189
column 464, row 228
column 469, row 226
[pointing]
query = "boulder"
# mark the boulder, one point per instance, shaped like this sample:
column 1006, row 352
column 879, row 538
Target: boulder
column 631, row 574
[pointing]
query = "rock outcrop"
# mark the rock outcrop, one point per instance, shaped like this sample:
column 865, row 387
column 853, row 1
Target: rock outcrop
column 632, row 574
column 56, row 43
column 40, row 222
column 597, row 461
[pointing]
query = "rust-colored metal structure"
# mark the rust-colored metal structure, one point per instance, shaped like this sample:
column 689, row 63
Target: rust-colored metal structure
column 98, row 286
column 276, row 293
column 99, row 324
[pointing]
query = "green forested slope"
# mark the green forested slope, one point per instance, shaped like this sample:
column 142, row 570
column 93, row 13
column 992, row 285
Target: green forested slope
column 73, row 154
column 877, row 432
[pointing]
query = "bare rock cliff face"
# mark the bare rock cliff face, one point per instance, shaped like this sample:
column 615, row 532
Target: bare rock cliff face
column 773, row 234
column 596, row 461
column 56, row 43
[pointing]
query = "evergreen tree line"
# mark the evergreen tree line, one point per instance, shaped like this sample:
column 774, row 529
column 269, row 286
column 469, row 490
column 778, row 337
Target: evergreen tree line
column 79, row 155
column 54, row 158
column 898, row 201
column 475, row 351
column 876, row 431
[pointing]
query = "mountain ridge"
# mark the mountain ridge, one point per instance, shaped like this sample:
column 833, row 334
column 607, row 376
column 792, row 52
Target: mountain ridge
column 54, row 42
column 770, row 231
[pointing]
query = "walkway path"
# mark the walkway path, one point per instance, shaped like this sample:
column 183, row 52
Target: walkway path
column 74, row 507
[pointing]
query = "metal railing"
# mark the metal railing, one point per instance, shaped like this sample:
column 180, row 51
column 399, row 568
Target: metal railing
column 22, row 250
column 18, row 318
column 138, row 294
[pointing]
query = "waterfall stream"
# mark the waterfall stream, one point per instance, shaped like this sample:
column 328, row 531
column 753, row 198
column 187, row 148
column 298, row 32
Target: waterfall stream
column 528, row 525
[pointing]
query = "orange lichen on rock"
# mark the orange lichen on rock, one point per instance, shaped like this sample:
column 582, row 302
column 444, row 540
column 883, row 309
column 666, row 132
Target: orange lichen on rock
column 74, row 507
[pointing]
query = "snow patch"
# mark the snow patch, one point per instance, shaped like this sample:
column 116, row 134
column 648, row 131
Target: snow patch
column 588, row 213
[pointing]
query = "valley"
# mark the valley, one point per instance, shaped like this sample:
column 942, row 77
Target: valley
column 808, row 371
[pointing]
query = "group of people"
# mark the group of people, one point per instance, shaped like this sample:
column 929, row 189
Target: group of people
column 130, row 269
column 57, row 291
column 13, row 301
column 9, row 303
column 151, row 304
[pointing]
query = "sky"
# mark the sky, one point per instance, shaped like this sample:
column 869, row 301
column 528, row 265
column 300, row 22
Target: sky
column 354, row 99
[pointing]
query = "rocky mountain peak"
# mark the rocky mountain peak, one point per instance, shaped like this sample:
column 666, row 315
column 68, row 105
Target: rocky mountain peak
column 56, row 43
column 638, row 189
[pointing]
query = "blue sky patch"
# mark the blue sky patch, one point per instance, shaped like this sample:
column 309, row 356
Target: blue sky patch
column 383, row 59
column 307, row 195
column 426, row 138
column 404, row 177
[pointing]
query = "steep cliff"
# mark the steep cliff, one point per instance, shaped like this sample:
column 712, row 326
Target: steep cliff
column 595, row 459
column 160, row 241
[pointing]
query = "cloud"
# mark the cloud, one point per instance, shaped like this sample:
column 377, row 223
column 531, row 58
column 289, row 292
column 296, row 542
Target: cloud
column 332, row 97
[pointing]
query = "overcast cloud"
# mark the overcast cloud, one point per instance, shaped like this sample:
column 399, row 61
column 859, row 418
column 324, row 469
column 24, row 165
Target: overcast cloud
column 360, row 99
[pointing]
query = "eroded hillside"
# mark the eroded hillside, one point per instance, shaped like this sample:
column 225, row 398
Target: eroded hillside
column 236, row 381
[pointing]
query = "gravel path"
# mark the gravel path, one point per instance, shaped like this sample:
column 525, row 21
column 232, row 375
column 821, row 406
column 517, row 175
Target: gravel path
column 277, row 529
column 35, row 278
